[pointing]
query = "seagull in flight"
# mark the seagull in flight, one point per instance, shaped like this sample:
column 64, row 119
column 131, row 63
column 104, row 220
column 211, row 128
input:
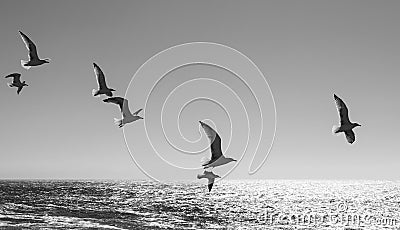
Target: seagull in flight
column 127, row 116
column 16, row 81
column 34, row 59
column 210, row 176
column 346, row 126
column 217, row 158
column 101, row 81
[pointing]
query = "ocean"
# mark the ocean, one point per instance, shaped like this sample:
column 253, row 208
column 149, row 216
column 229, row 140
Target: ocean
column 232, row 204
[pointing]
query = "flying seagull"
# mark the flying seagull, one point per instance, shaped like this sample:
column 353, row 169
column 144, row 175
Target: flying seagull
column 101, row 81
column 16, row 81
column 210, row 176
column 346, row 125
column 127, row 116
column 217, row 158
column 34, row 59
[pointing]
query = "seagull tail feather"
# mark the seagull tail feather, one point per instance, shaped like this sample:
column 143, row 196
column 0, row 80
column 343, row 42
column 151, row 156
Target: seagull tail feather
column 23, row 64
column 94, row 92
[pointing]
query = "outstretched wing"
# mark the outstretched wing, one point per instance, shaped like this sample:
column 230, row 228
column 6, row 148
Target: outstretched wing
column 215, row 142
column 101, row 80
column 137, row 112
column 210, row 184
column 350, row 136
column 122, row 103
column 15, row 76
column 343, row 111
column 201, row 176
column 30, row 46
column 116, row 100
column 125, row 108
column 19, row 89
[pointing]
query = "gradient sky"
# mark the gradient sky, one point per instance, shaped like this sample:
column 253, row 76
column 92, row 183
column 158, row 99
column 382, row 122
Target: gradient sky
column 307, row 51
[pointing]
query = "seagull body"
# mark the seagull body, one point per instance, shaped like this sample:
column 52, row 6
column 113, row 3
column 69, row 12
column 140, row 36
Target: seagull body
column 127, row 116
column 346, row 126
column 16, row 81
column 34, row 59
column 210, row 176
column 101, row 81
column 217, row 158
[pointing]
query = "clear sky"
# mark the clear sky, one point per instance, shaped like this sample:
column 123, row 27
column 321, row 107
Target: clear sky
column 307, row 51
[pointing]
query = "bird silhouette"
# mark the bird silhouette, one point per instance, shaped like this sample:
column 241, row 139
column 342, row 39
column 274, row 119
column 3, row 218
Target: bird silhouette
column 217, row 158
column 34, row 59
column 210, row 176
column 127, row 116
column 16, row 81
column 346, row 126
column 101, row 81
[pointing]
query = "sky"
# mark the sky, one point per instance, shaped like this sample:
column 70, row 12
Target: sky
column 306, row 51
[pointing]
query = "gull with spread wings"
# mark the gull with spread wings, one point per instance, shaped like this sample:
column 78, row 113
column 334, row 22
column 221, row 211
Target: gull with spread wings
column 127, row 116
column 210, row 177
column 34, row 59
column 217, row 158
column 101, row 81
column 346, row 126
column 16, row 81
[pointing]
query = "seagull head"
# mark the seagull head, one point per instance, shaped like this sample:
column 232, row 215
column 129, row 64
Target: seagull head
column 356, row 124
column 46, row 60
column 112, row 89
column 23, row 83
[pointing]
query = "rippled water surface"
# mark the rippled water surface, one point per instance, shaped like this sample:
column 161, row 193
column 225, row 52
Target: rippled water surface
column 246, row 204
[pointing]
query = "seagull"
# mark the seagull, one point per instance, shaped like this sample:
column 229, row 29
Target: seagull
column 34, row 59
column 16, row 81
column 101, row 80
column 210, row 176
column 217, row 158
column 346, row 125
column 127, row 116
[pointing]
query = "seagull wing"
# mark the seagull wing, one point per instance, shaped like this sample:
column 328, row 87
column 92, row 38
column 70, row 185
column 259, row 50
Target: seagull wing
column 15, row 76
column 19, row 89
column 343, row 111
column 125, row 108
column 210, row 183
column 136, row 113
column 201, row 176
column 350, row 136
column 116, row 100
column 122, row 103
column 215, row 142
column 30, row 46
column 101, row 80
